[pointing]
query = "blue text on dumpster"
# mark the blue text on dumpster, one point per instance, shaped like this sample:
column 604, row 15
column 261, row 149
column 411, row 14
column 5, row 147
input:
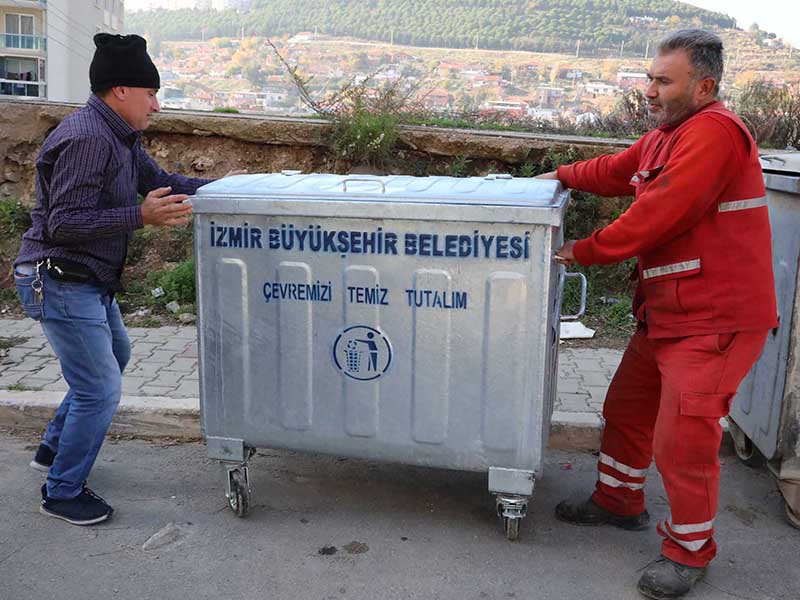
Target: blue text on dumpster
column 315, row 238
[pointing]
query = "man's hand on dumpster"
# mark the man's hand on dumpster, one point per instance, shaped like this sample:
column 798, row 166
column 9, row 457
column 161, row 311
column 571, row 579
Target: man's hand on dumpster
column 564, row 255
column 235, row 172
column 162, row 208
column 550, row 175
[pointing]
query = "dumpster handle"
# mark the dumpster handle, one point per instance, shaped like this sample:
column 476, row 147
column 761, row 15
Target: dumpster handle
column 363, row 180
column 582, row 308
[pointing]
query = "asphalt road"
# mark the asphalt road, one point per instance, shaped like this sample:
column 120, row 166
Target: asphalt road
column 327, row 528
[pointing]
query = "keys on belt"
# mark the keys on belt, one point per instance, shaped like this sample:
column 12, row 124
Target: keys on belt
column 69, row 271
column 37, row 285
column 59, row 269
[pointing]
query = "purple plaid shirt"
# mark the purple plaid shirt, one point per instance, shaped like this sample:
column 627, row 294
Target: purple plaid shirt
column 88, row 173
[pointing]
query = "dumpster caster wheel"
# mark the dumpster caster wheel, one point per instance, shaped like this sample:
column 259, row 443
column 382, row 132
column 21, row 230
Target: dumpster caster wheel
column 511, row 508
column 745, row 448
column 239, row 495
column 750, row 455
column 511, row 528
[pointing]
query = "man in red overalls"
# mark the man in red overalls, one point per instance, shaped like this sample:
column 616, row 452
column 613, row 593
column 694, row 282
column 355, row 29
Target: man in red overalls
column 704, row 302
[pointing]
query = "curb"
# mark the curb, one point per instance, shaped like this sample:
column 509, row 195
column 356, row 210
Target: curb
column 179, row 419
column 136, row 416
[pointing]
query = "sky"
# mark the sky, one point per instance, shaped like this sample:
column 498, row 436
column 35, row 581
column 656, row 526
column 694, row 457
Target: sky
column 781, row 17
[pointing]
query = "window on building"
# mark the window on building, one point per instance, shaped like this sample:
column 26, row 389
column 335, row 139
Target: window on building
column 19, row 31
column 15, row 73
column 19, row 69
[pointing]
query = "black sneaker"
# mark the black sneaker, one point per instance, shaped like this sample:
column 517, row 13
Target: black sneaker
column 589, row 513
column 87, row 508
column 43, row 459
column 665, row 578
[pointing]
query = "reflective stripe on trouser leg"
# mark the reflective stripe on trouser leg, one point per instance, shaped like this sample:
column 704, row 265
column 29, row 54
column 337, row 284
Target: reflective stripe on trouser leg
column 690, row 536
column 630, row 411
column 699, row 382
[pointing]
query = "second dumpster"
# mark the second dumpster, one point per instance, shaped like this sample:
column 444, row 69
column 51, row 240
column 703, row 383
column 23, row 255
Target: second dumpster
column 765, row 417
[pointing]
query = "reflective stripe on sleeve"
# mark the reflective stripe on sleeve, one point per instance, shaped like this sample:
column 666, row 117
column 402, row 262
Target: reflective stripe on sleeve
column 743, row 204
column 689, row 265
column 622, row 468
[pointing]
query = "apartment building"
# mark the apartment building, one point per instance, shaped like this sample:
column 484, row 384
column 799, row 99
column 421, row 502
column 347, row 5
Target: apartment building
column 46, row 46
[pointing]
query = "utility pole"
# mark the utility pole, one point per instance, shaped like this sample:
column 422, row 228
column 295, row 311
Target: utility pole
column 578, row 50
column 647, row 51
column 621, row 47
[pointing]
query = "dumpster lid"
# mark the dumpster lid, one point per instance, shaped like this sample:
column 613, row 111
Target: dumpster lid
column 498, row 189
column 781, row 163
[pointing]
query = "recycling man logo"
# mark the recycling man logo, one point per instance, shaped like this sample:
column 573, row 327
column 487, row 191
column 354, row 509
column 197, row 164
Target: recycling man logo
column 362, row 353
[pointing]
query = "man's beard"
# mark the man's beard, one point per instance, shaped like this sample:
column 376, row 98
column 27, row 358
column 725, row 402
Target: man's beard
column 675, row 111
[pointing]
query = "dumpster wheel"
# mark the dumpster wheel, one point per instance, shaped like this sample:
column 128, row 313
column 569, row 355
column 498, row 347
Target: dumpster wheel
column 511, row 508
column 745, row 448
column 511, row 528
column 239, row 495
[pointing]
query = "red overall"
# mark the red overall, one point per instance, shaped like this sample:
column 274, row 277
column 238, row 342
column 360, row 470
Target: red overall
column 706, row 298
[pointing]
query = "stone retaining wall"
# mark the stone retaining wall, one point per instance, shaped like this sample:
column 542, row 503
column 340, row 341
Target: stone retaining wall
column 211, row 144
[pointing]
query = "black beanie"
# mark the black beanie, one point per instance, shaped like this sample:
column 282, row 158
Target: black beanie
column 122, row 60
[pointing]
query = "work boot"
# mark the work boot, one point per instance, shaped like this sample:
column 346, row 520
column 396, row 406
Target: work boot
column 589, row 513
column 43, row 459
column 665, row 578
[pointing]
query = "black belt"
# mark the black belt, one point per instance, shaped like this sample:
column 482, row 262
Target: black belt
column 62, row 269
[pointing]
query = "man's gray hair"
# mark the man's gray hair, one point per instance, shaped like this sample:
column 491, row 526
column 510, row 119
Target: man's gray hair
column 704, row 49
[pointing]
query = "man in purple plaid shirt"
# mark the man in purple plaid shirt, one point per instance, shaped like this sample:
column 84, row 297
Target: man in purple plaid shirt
column 88, row 174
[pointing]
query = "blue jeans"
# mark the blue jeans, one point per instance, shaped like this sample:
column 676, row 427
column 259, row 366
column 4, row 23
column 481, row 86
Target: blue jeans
column 84, row 327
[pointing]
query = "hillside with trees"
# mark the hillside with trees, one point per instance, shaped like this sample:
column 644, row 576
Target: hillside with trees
column 600, row 27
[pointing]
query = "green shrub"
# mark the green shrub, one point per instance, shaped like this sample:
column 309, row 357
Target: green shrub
column 459, row 167
column 771, row 113
column 226, row 109
column 15, row 217
column 363, row 136
column 527, row 169
column 179, row 283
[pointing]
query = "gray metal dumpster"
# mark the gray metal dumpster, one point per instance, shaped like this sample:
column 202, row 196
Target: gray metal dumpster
column 765, row 417
column 402, row 319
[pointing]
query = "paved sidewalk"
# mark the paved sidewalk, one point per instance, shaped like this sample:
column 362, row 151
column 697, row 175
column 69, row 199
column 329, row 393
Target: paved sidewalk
column 162, row 374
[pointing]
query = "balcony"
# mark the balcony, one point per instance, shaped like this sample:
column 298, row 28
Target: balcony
column 22, row 42
column 35, row 4
column 24, row 89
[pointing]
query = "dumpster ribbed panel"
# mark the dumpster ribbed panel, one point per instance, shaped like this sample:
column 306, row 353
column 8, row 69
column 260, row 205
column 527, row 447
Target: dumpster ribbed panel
column 234, row 373
column 295, row 371
column 361, row 398
column 431, row 362
column 503, row 358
